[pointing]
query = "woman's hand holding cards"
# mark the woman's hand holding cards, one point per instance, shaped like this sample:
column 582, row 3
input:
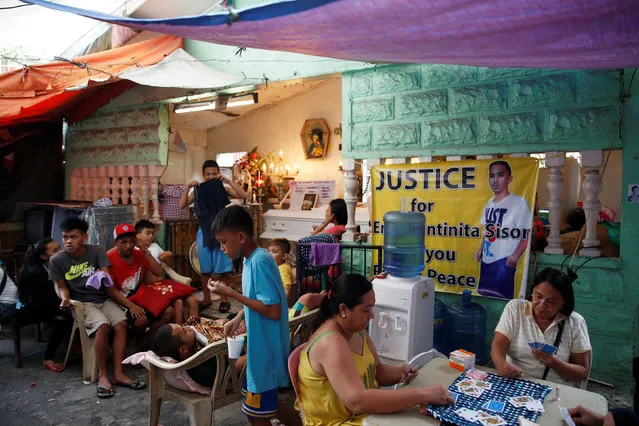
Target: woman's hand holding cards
column 545, row 358
column 408, row 373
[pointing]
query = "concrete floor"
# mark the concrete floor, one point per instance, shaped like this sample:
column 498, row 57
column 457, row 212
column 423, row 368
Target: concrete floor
column 32, row 395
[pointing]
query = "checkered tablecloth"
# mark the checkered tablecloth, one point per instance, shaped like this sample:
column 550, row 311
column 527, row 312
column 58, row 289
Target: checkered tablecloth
column 502, row 389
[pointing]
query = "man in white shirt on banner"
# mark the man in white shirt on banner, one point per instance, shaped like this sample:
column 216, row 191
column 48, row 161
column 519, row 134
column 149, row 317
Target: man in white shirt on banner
column 507, row 222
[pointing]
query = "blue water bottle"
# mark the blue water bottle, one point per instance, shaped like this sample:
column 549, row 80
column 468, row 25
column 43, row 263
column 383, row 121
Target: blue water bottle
column 441, row 329
column 404, row 243
column 468, row 326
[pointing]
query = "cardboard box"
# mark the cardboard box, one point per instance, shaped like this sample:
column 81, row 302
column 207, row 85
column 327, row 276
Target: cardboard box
column 461, row 360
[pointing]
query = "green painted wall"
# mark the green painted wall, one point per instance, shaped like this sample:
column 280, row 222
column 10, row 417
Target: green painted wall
column 413, row 110
column 423, row 110
column 129, row 136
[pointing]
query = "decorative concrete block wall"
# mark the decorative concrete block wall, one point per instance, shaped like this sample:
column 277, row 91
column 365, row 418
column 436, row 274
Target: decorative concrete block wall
column 421, row 110
column 134, row 136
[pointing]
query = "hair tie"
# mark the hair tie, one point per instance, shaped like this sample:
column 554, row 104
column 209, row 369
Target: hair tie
column 330, row 293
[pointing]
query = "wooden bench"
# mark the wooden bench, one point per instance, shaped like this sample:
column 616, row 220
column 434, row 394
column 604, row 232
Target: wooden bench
column 227, row 384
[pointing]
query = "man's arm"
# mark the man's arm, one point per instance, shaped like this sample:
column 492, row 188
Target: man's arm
column 186, row 199
column 154, row 267
column 136, row 310
column 63, row 293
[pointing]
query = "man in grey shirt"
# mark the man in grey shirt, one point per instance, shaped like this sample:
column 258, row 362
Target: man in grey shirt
column 71, row 269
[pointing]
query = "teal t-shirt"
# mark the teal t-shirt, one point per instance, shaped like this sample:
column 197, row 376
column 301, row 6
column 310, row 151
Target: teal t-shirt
column 268, row 340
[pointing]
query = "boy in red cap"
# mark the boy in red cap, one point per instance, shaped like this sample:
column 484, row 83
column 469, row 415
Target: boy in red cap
column 131, row 269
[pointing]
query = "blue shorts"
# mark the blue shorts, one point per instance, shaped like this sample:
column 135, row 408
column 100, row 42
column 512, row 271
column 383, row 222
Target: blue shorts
column 259, row 405
column 212, row 260
column 497, row 280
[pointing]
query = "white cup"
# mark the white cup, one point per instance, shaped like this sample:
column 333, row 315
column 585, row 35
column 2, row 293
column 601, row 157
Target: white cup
column 235, row 346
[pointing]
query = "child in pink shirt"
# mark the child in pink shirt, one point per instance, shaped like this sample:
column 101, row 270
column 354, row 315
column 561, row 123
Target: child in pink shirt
column 336, row 215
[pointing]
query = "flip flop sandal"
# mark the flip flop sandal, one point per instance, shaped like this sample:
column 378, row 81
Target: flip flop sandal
column 55, row 367
column 135, row 385
column 224, row 307
column 104, row 392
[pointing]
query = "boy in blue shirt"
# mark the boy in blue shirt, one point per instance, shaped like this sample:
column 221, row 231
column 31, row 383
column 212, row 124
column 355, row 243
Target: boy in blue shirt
column 266, row 315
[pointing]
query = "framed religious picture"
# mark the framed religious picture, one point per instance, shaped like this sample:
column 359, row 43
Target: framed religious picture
column 315, row 136
column 309, row 200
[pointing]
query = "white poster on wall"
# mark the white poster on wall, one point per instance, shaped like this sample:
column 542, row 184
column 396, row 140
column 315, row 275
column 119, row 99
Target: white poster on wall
column 325, row 190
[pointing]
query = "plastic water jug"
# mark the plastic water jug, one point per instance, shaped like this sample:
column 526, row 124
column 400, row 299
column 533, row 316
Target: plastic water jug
column 441, row 329
column 468, row 327
column 404, row 243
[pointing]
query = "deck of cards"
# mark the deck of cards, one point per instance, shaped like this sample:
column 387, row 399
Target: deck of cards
column 545, row 347
column 527, row 402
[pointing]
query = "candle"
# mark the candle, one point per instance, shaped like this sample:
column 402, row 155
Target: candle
column 281, row 153
column 264, row 167
column 272, row 166
column 341, row 163
column 296, row 167
column 287, row 168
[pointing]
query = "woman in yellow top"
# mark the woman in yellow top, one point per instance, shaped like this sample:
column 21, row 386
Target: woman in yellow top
column 339, row 372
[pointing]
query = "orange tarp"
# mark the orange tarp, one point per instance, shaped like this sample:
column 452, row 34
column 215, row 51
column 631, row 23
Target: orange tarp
column 49, row 91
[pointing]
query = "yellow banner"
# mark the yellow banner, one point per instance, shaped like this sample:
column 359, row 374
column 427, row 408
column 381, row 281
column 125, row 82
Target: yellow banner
column 478, row 219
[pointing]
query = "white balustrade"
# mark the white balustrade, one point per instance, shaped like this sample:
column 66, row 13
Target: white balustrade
column 105, row 182
column 133, row 174
column 519, row 155
column 96, row 184
column 484, row 157
column 555, row 161
column 350, row 197
column 453, row 158
column 115, row 184
column 155, row 173
column 591, row 161
column 144, row 176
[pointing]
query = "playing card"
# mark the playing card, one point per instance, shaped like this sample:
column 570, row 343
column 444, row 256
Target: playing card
column 492, row 421
column 455, row 396
column 532, row 345
column 495, row 406
column 482, row 385
column 465, row 383
column 520, row 401
column 466, row 414
column 475, row 374
column 472, row 391
column 549, row 349
column 535, row 405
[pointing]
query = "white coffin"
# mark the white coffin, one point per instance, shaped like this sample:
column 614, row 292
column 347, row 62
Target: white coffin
column 294, row 225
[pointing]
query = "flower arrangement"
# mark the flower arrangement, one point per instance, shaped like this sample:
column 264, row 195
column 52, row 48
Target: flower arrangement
column 254, row 165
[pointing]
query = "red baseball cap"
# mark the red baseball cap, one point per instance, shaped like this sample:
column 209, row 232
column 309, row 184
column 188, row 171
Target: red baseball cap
column 123, row 229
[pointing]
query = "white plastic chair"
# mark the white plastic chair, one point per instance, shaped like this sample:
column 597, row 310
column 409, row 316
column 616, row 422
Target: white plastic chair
column 420, row 360
column 89, row 362
column 584, row 383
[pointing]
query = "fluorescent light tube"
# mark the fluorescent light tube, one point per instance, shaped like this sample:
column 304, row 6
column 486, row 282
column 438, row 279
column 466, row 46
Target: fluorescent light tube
column 194, row 107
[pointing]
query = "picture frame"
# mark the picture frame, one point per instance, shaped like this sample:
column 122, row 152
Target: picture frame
column 315, row 137
column 309, row 200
